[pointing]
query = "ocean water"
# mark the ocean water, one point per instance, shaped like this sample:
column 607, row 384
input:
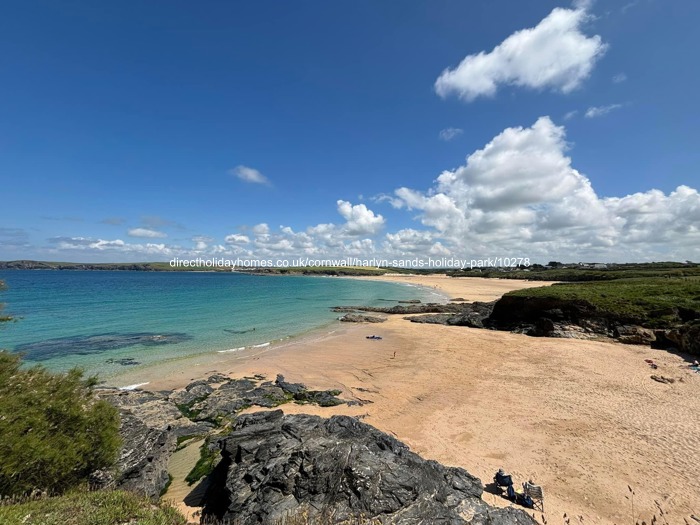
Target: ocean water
column 107, row 321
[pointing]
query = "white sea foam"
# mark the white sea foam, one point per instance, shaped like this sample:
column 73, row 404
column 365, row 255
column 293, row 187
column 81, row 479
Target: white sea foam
column 231, row 350
column 261, row 345
column 132, row 387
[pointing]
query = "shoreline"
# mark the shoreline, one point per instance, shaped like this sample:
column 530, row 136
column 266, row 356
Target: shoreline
column 581, row 418
column 141, row 377
column 223, row 360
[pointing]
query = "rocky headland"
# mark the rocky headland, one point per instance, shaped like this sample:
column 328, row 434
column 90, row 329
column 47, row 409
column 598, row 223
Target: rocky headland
column 549, row 317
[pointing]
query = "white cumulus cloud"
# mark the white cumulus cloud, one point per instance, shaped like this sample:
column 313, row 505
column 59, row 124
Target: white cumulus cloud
column 520, row 194
column 237, row 238
column 360, row 220
column 555, row 55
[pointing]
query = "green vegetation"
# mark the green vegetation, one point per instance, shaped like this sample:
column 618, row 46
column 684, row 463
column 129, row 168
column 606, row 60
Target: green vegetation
column 91, row 508
column 575, row 273
column 166, row 267
column 205, row 464
column 187, row 410
column 167, row 485
column 651, row 302
column 54, row 431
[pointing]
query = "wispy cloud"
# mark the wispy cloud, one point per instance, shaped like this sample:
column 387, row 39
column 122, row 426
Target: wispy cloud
column 571, row 114
column 156, row 221
column 628, row 6
column 146, row 233
column 113, row 221
column 247, row 174
column 448, row 134
column 14, row 237
column 619, row 78
column 601, row 111
column 64, row 218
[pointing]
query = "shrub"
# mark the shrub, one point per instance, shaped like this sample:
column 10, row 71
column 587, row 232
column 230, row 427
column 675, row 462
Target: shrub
column 54, row 431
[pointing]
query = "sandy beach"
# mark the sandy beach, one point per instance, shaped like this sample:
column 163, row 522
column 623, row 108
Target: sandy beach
column 581, row 418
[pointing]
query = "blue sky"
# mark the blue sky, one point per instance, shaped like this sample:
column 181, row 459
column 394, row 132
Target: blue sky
column 147, row 130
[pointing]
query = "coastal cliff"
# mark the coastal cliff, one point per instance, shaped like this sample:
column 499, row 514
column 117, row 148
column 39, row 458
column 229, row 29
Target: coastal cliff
column 663, row 313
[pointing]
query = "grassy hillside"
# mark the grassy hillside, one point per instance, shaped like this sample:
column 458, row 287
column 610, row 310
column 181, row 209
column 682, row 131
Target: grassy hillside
column 653, row 302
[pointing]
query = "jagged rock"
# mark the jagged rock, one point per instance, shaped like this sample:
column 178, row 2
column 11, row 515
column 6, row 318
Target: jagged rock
column 299, row 392
column 469, row 314
column 142, row 466
column 634, row 335
column 195, row 391
column 410, row 301
column 275, row 466
column 238, row 394
column 155, row 410
column 291, row 388
column 430, row 318
column 511, row 311
column 427, row 308
column 686, row 338
column 361, row 318
column 473, row 315
column 217, row 378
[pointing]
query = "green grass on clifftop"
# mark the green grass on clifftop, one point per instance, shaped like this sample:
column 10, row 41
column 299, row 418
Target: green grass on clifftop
column 91, row 508
column 651, row 301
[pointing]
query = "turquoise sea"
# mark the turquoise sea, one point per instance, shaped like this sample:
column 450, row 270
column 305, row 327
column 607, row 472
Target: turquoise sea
column 106, row 321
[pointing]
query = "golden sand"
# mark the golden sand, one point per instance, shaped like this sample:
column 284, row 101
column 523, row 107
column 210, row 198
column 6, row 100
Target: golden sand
column 581, row 418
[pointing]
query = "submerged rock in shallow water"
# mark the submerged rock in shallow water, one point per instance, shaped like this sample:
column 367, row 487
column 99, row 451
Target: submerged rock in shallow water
column 95, row 344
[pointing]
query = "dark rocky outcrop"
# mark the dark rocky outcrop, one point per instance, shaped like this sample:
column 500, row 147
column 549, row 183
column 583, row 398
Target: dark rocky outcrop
column 274, row 466
column 511, row 312
column 430, row 318
column 202, row 402
column 150, row 426
column 634, row 335
column 550, row 317
column 155, row 410
column 467, row 314
column 427, row 308
column 152, row 422
column 685, row 338
column 361, row 318
column 299, row 392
